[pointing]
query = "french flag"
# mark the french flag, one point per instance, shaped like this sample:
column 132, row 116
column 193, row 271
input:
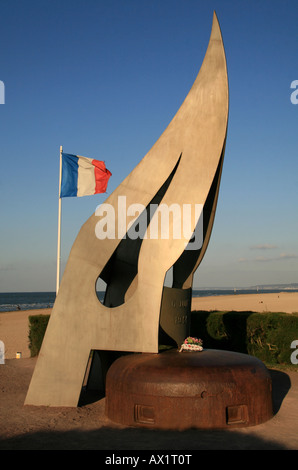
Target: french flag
column 82, row 176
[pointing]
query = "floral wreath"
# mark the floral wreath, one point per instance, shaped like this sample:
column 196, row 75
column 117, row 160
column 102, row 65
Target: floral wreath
column 192, row 344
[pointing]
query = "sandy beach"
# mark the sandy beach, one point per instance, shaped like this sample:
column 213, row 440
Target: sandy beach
column 278, row 302
column 14, row 326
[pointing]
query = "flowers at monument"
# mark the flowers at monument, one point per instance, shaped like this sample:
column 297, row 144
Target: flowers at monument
column 192, row 344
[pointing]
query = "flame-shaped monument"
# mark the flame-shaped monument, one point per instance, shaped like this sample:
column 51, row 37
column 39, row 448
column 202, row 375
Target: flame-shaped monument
column 181, row 172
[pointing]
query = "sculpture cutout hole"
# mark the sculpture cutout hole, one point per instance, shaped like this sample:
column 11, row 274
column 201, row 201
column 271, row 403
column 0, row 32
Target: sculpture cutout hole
column 100, row 287
column 168, row 282
column 189, row 259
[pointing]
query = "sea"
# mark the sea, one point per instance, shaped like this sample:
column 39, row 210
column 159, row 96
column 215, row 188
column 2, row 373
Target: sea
column 13, row 301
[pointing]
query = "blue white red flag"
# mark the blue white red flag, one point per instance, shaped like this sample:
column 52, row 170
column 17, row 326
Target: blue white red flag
column 82, row 176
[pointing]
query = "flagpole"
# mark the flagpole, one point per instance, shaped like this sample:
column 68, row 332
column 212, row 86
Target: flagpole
column 59, row 225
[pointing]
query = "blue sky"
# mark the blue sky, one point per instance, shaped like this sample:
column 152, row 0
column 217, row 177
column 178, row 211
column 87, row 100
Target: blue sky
column 104, row 78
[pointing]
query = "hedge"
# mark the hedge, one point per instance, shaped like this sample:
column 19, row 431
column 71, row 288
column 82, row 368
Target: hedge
column 267, row 336
column 37, row 328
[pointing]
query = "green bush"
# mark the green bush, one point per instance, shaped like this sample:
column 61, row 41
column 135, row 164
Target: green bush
column 267, row 336
column 37, row 328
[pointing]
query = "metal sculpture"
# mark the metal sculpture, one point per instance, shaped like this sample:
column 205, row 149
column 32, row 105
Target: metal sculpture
column 183, row 168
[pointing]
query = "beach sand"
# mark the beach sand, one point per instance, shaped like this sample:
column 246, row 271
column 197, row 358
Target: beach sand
column 25, row 427
column 14, row 326
column 278, row 302
column 87, row 427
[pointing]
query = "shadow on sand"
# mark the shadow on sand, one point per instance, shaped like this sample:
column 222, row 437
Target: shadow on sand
column 135, row 439
column 108, row 439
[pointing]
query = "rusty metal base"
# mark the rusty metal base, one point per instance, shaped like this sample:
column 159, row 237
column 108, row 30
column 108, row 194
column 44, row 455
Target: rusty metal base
column 211, row 389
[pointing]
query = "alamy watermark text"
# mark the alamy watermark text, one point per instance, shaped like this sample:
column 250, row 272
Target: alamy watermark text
column 2, row 92
column 294, row 94
column 156, row 222
column 294, row 355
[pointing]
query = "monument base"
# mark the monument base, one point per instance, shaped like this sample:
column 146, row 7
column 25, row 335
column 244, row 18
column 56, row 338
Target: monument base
column 211, row 389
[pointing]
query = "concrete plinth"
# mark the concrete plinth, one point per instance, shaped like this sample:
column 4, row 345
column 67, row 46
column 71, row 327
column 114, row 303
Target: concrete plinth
column 211, row 389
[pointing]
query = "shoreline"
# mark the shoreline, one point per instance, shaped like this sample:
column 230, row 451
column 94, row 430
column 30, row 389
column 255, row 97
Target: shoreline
column 14, row 326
